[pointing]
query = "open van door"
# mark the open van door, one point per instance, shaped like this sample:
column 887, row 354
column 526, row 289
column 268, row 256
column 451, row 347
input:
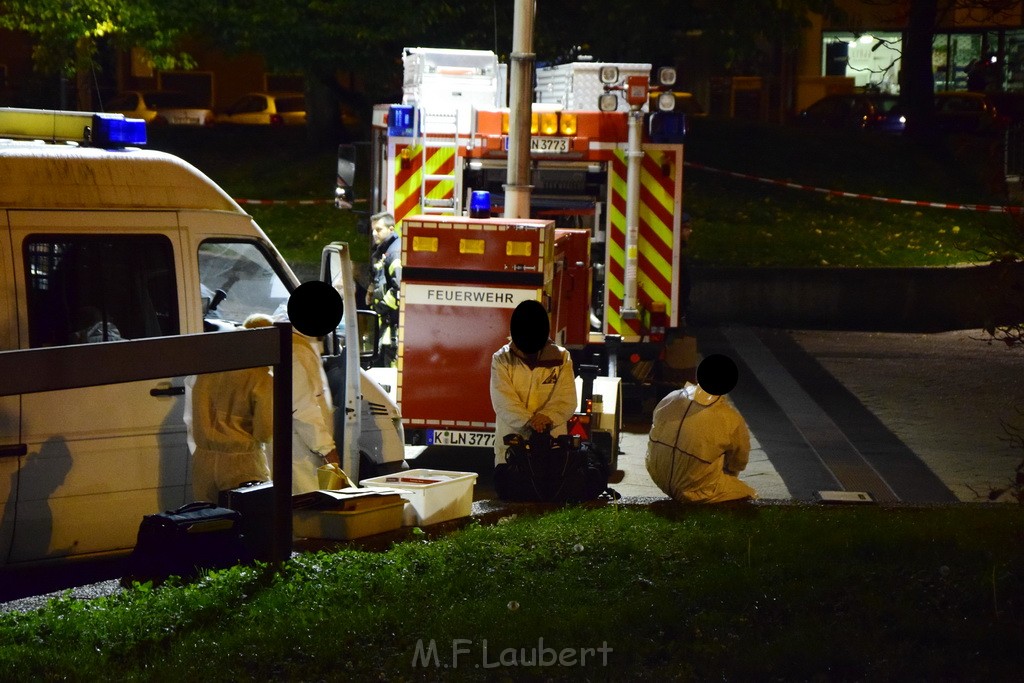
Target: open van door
column 367, row 425
column 336, row 270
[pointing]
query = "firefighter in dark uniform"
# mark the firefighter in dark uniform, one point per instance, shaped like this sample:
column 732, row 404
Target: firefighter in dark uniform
column 383, row 293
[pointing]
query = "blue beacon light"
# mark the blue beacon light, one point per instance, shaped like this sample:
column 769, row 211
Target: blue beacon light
column 480, row 204
column 114, row 130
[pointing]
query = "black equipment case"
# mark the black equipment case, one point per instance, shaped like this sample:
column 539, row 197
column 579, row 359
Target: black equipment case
column 255, row 501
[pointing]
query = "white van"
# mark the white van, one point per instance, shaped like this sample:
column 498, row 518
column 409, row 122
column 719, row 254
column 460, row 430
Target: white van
column 105, row 244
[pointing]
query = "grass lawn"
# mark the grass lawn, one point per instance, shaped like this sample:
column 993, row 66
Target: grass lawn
column 743, row 222
column 737, row 222
column 672, row 593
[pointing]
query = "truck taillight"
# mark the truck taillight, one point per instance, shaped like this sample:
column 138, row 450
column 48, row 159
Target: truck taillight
column 276, row 120
column 567, row 123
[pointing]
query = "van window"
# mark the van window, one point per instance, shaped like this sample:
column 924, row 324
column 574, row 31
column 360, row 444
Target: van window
column 84, row 288
column 245, row 274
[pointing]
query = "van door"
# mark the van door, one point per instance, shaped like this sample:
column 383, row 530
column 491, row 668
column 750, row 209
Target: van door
column 98, row 458
column 11, row 447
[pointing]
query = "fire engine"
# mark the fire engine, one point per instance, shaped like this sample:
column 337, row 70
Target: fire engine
column 610, row 282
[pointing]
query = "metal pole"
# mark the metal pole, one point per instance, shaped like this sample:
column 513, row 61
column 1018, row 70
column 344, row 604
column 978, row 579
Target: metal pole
column 517, row 187
column 634, row 155
column 282, row 452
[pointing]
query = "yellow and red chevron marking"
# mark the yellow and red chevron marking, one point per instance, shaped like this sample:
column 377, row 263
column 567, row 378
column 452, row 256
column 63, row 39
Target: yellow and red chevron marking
column 615, row 269
column 409, row 171
column 658, row 242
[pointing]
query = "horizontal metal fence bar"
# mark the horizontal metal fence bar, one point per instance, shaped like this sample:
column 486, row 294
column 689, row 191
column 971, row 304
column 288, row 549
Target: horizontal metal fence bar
column 86, row 365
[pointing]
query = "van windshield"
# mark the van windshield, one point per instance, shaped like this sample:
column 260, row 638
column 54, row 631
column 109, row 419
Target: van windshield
column 246, row 276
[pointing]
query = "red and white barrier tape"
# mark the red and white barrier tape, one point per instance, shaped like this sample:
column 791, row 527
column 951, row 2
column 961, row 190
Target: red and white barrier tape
column 986, row 208
column 284, row 202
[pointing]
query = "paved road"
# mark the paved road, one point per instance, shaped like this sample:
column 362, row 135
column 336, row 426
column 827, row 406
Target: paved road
column 907, row 417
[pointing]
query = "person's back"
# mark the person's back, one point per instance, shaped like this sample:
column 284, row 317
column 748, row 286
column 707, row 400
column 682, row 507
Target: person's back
column 312, row 415
column 699, row 443
column 232, row 417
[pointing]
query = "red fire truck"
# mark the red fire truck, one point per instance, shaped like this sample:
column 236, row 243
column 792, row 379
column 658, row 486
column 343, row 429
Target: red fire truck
column 611, row 291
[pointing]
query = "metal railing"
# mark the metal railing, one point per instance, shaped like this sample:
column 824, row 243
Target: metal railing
column 86, row 365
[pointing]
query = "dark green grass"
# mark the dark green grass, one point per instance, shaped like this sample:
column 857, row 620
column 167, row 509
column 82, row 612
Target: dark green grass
column 740, row 223
column 737, row 222
column 766, row 593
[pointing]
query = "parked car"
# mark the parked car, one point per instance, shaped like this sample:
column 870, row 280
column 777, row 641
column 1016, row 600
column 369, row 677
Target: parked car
column 266, row 109
column 968, row 112
column 161, row 107
column 855, row 111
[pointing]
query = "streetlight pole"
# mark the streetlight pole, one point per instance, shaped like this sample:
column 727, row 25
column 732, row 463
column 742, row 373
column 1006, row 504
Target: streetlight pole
column 522, row 58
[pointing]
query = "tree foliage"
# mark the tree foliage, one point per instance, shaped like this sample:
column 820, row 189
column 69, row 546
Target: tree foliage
column 736, row 33
column 68, row 33
column 323, row 36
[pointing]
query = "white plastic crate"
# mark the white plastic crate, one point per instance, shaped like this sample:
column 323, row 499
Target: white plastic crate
column 347, row 524
column 433, row 495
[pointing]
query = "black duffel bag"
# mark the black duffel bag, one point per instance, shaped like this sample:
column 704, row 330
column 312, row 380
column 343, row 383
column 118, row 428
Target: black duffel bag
column 543, row 468
column 184, row 542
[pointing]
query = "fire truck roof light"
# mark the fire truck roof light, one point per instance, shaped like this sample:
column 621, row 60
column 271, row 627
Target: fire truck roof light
column 114, row 130
column 608, row 74
column 667, row 76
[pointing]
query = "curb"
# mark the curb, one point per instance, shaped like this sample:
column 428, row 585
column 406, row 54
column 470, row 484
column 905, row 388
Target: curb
column 866, row 299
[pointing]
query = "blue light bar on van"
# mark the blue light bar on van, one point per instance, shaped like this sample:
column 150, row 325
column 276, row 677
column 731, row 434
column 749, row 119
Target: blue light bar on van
column 114, row 130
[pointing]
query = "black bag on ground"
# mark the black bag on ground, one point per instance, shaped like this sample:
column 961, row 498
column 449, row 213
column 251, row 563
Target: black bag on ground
column 184, row 542
column 543, row 468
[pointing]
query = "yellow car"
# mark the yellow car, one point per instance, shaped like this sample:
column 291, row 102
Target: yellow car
column 266, row 109
column 161, row 107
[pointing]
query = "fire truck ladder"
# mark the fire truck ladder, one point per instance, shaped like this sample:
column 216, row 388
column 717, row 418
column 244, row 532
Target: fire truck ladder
column 440, row 131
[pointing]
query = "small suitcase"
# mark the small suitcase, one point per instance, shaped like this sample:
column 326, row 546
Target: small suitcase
column 255, row 502
column 184, row 542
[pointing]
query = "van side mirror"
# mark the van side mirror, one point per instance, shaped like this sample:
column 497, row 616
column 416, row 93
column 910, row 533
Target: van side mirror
column 344, row 193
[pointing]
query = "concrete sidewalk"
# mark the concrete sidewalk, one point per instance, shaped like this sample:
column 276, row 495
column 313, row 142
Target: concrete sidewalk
column 915, row 418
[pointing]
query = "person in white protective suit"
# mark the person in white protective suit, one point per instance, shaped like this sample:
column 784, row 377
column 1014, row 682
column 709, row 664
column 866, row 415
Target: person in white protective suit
column 312, row 415
column 532, row 383
column 699, row 443
column 230, row 418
